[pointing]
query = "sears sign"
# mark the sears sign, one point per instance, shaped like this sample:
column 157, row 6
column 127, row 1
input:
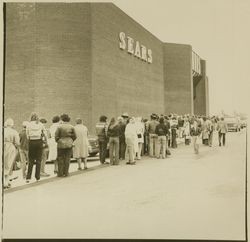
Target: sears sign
column 135, row 48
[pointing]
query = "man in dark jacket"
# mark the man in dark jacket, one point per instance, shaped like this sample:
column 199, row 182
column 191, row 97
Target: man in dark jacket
column 122, row 142
column 161, row 130
column 152, row 135
column 64, row 136
column 101, row 132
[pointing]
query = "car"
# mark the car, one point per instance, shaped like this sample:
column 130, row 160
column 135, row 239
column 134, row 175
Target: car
column 233, row 124
column 243, row 123
column 93, row 145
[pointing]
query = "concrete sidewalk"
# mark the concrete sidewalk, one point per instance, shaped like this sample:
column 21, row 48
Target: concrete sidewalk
column 93, row 164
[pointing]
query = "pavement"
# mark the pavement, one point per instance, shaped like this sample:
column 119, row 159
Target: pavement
column 93, row 163
column 184, row 196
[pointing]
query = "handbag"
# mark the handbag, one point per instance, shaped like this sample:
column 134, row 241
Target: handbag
column 44, row 140
column 139, row 136
column 65, row 143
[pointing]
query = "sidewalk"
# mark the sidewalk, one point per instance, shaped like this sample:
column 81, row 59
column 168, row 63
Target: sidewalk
column 93, row 164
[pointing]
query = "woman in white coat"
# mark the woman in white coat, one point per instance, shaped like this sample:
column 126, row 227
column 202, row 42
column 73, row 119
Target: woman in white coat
column 80, row 148
column 52, row 142
column 11, row 144
column 131, row 140
column 140, row 135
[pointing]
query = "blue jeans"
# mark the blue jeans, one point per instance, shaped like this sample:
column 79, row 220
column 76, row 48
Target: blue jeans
column 114, row 150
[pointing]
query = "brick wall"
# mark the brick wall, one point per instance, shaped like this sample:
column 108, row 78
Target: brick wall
column 122, row 82
column 48, row 60
column 20, row 61
column 178, row 79
column 65, row 57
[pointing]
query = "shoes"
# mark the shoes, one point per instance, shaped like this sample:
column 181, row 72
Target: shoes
column 13, row 178
column 85, row 168
column 131, row 163
column 38, row 180
column 79, row 169
column 7, row 186
column 44, row 174
column 27, row 181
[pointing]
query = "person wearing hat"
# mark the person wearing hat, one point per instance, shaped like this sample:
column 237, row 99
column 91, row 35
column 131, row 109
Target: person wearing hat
column 11, row 144
column 23, row 149
column 125, row 117
column 153, row 137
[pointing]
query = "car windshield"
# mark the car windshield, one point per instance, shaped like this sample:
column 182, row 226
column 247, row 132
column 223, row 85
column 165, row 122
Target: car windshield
column 231, row 120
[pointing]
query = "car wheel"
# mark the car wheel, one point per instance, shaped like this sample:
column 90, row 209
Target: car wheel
column 92, row 154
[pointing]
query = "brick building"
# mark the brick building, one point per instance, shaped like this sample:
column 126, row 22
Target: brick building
column 88, row 59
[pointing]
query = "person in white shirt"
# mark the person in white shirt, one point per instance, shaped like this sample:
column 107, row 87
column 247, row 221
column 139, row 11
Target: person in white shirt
column 131, row 140
column 35, row 133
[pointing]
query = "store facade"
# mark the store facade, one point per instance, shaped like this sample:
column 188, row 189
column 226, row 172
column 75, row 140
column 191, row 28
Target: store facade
column 89, row 59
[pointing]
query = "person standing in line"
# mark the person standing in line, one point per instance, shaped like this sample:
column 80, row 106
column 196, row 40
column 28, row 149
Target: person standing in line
column 222, row 130
column 113, row 135
column 205, row 130
column 162, row 131
column 122, row 143
column 174, row 127
column 140, row 135
column 80, row 146
column 11, row 144
column 101, row 132
column 64, row 136
column 23, row 149
column 180, row 126
column 146, row 137
column 45, row 151
column 186, row 132
column 167, row 123
column 195, row 132
column 131, row 141
column 52, row 142
column 152, row 135
column 211, row 131
column 35, row 130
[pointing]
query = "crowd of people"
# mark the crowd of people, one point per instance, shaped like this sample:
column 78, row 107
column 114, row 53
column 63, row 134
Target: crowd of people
column 135, row 137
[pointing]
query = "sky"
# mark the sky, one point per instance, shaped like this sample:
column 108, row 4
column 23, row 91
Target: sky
column 218, row 31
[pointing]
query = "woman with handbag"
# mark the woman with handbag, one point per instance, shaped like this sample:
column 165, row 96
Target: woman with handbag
column 64, row 136
column 11, row 143
column 35, row 131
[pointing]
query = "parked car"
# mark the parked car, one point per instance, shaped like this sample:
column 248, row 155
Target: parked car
column 93, row 145
column 233, row 124
column 243, row 123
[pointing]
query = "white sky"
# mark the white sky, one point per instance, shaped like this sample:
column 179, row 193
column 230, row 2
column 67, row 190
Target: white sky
column 218, row 30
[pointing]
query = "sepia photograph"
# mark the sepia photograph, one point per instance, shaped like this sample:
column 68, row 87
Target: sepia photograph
column 125, row 119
